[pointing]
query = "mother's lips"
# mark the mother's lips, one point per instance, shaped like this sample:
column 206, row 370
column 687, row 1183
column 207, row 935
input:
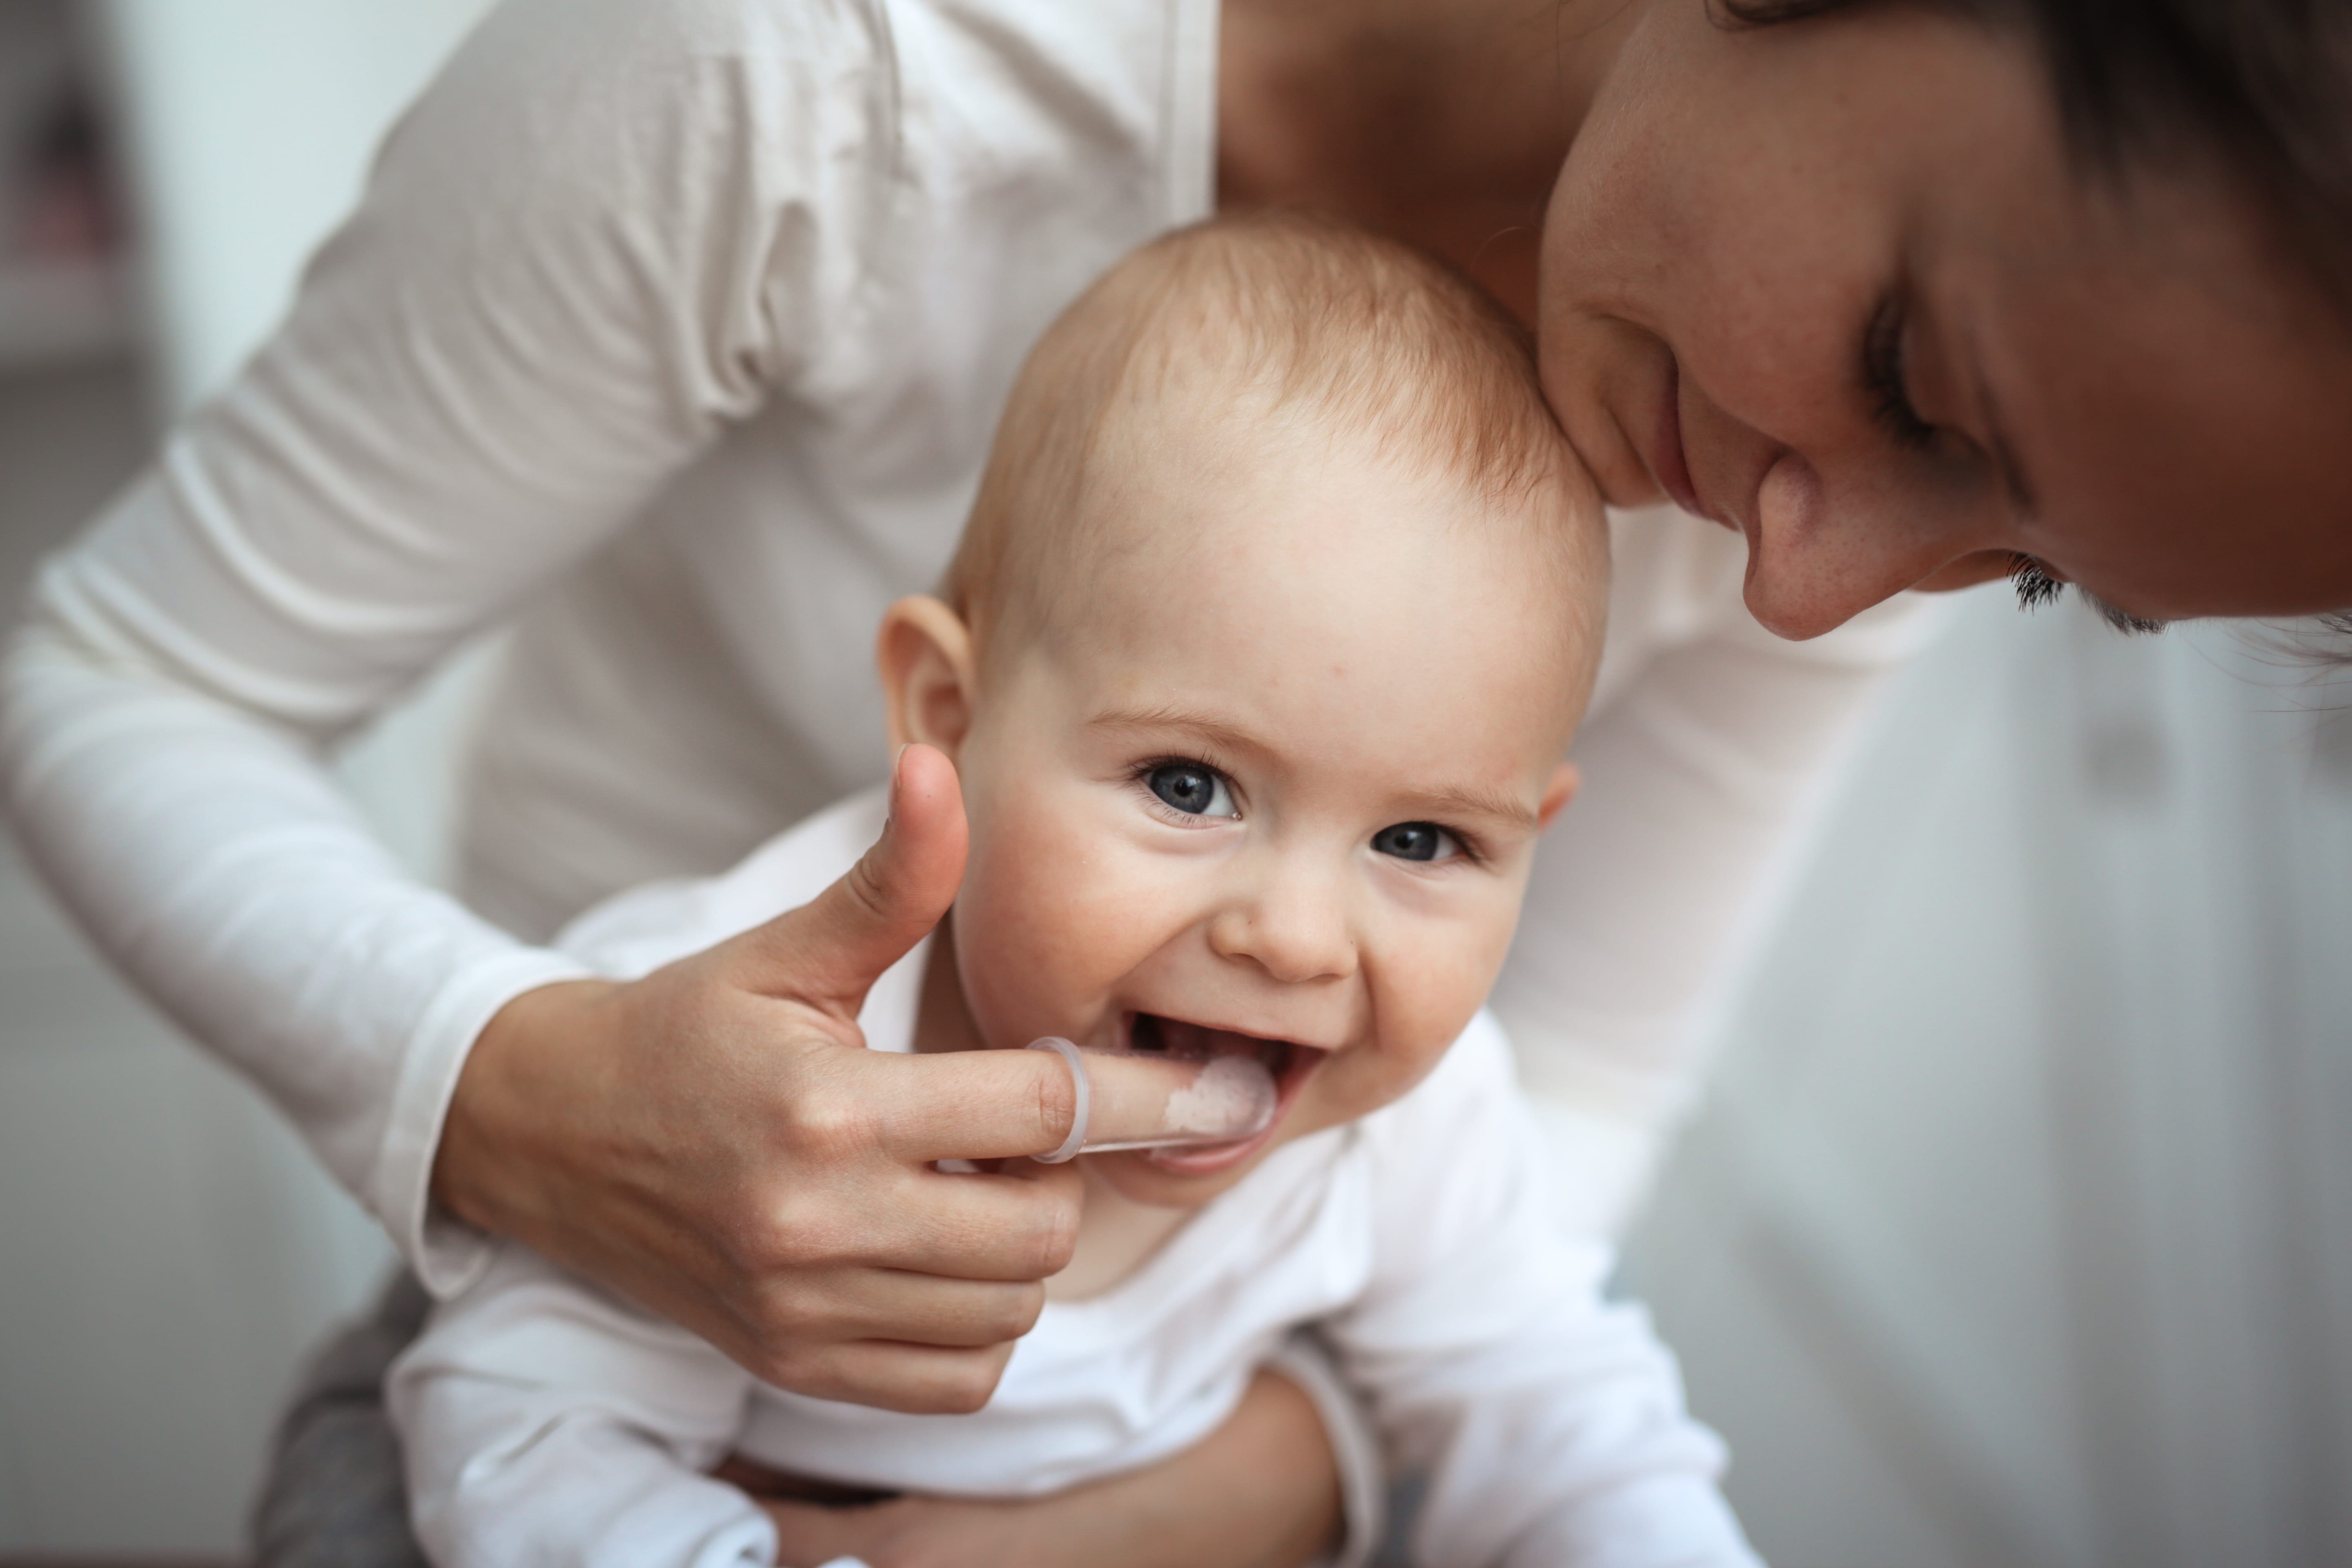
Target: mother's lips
column 1667, row 463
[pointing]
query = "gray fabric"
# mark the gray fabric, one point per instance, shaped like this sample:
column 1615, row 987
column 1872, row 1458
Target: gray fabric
column 1405, row 1494
column 335, row 1496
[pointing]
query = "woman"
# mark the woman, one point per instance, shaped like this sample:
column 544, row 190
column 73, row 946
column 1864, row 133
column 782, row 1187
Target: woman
column 676, row 330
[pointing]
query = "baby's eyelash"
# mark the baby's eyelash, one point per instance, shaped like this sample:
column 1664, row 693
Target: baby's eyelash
column 1140, row 773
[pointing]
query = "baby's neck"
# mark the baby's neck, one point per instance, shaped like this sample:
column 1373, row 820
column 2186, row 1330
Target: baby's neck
column 1115, row 1235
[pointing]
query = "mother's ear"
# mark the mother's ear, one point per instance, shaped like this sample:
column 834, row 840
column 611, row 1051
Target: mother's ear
column 924, row 655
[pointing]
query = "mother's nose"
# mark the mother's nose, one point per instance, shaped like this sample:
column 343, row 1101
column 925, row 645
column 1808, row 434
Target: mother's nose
column 1292, row 924
column 1817, row 559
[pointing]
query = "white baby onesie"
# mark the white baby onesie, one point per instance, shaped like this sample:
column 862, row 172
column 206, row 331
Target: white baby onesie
column 545, row 1421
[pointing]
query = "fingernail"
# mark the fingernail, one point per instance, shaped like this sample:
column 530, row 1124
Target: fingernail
column 898, row 762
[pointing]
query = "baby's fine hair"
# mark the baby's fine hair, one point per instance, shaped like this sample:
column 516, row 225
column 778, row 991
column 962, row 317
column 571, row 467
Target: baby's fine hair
column 1299, row 325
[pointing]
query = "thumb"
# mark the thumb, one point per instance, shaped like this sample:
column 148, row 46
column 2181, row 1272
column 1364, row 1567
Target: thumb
column 830, row 951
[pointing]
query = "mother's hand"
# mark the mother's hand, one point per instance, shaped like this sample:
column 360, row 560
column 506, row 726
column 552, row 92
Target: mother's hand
column 714, row 1142
column 1262, row 1491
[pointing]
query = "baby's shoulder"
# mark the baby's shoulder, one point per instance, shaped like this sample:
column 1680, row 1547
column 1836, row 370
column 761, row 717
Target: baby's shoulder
column 637, row 931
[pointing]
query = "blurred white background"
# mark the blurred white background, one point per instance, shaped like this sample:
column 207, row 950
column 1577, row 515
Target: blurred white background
column 2016, row 1230
column 168, row 1251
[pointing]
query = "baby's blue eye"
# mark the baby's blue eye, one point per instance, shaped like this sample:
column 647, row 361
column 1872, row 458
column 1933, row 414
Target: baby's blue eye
column 1193, row 788
column 1417, row 841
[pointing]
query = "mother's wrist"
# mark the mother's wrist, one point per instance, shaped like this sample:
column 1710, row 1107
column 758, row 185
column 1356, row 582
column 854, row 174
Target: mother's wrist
column 531, row 1066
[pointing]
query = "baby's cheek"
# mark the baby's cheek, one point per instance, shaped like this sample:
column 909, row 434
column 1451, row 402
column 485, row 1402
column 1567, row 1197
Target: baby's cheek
column 1043, row 923
column 1425, row 994
column 1356, row 1082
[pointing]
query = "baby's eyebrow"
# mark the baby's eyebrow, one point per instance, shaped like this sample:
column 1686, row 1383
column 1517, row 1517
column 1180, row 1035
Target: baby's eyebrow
column 1472, row 800
column 1208, row 728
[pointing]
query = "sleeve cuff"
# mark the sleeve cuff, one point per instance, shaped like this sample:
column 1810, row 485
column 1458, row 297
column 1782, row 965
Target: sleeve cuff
column 1355, row 1447
column 447, row 1253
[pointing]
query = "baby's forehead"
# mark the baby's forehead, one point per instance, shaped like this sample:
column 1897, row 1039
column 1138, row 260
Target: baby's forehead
column 1300, row 539
column 1225, row 472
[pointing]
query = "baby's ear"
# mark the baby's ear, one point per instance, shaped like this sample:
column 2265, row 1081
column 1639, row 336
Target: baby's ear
column 925, row 655
column 1558, row 794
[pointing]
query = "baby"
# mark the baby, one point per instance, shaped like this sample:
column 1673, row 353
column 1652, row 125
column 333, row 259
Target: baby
column 1277, row 609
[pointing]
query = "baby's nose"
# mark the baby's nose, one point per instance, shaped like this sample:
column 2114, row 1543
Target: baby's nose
column 1295, row 928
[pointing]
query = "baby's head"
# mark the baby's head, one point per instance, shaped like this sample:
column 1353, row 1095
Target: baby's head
column 1277, row 609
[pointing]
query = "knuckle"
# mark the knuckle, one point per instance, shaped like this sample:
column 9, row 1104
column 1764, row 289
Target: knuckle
column 828, row 1123
column 791, row 1366
column 968, row 1388
column 777, row 1365
column 1057, row 1235
column 1017, row 1314
column 782, row 1319
column 789, row 1237
column 1057, row 1103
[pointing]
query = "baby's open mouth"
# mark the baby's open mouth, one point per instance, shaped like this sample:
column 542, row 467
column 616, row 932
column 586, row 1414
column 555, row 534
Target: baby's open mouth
column 1290, row 1063
column 1199, row 1042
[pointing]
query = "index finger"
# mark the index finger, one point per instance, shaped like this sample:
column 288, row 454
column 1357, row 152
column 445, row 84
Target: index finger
column 973, row 1105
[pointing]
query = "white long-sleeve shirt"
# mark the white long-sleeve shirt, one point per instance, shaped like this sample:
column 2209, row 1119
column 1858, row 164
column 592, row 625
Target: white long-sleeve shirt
column 544, row 1422
column 676, row 331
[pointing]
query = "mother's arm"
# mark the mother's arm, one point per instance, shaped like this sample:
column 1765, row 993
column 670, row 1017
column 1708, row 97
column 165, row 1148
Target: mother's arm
column 607, row 232
column 1700, row 776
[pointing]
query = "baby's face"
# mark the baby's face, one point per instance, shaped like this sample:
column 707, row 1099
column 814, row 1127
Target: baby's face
column 1271, row 787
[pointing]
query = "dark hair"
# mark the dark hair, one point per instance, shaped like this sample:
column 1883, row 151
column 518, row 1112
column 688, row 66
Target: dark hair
column 2265, row 85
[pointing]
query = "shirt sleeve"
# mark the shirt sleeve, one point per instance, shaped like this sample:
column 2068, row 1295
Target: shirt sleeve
column 543, row 1421
column 1698, row 782
column 1549, row 1423
column 610, row 230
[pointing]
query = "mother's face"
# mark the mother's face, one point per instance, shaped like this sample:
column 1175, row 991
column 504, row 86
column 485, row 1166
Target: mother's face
column 1836, row 284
